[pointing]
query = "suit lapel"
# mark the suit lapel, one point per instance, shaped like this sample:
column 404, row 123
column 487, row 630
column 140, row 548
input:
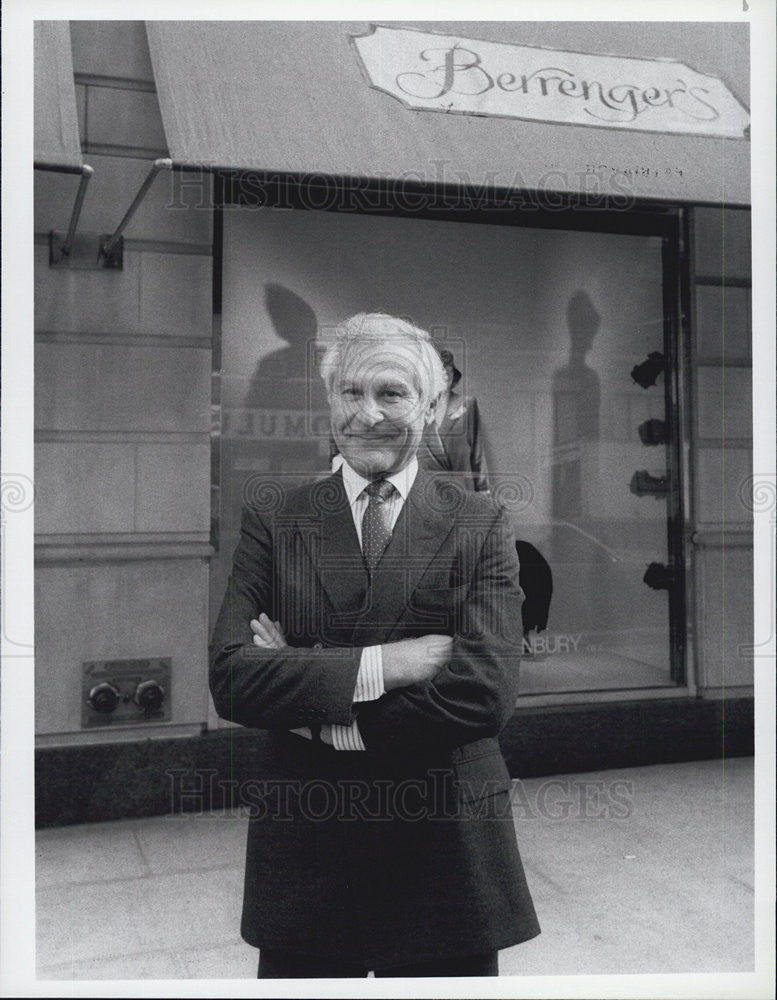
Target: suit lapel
column 334, row 546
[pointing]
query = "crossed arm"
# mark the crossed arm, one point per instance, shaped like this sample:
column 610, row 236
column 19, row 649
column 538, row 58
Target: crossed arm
column 440, row 690
column 382, row 668
column 406, row 662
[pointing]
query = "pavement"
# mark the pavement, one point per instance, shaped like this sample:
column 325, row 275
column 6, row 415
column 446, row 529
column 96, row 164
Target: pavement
column 636, row 870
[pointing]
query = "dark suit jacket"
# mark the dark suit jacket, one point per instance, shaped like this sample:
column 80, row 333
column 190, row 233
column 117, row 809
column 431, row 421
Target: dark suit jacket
column 405, row 852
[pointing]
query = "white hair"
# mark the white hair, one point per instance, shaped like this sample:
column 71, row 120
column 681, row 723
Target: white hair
column 380, row 328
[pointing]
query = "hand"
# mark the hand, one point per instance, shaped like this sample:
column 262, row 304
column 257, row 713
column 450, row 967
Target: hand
column 267, row 634
column 413, row 661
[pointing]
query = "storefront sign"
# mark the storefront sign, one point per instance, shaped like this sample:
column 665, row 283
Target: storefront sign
column 456, row 75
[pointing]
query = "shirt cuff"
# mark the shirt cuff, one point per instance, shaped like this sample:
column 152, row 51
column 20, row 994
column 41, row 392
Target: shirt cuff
column 344, row 737
column 369, row 680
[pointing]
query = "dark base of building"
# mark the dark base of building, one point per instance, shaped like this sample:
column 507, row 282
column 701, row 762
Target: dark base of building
column 155, row 777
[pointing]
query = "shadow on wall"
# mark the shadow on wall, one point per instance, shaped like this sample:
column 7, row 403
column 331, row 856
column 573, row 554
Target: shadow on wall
column 285, row 398
column 576, row 396
column 576, row 400
column 278, row 375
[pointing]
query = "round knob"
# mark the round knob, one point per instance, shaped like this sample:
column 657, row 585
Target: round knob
column 149, row 695
column 104, row 697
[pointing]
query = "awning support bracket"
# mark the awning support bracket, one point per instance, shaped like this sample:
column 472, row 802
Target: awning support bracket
column 61, row 247
column 111, row 247
column 86, row 176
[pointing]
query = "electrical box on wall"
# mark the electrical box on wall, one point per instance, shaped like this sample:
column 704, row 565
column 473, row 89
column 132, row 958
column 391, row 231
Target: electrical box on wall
column 129, row 692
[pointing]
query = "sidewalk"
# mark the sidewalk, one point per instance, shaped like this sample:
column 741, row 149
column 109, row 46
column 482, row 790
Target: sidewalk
column 636, row 870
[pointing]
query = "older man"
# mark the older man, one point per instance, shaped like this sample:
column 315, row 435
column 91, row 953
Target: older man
column 370, row 633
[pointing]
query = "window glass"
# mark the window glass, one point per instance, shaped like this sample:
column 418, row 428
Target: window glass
column 546, row 327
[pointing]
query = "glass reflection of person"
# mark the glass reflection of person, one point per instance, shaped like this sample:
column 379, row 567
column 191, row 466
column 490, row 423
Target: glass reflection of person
column 454, row 441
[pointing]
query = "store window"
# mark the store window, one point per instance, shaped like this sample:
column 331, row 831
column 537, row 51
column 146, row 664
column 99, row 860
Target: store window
column 562, row 339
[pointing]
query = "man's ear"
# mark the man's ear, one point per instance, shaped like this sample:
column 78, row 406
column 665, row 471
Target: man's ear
column 430, row 411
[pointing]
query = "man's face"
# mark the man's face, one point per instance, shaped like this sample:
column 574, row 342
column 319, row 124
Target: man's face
column 378, row 414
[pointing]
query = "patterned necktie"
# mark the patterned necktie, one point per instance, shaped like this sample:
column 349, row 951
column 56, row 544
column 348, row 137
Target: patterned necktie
column 376, row 522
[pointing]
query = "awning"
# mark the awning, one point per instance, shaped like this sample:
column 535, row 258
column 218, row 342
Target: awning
column 304, row 98
column 57, row 142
